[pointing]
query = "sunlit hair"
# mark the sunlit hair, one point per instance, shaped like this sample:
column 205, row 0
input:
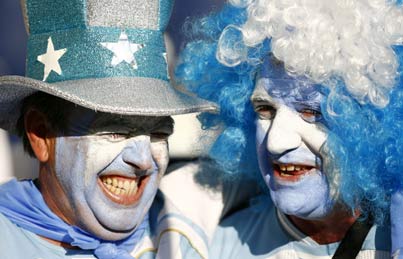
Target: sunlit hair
column 230, row 87
column 351, row 39
column 365, row 143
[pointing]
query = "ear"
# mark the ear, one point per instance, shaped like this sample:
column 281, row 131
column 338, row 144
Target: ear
column 39, row 134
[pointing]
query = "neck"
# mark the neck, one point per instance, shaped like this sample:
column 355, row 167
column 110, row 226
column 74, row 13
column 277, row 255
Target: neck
column 59, row 243
column 50, row 190
column 327, row 230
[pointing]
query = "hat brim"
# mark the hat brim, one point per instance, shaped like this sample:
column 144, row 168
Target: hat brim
column 120, row 95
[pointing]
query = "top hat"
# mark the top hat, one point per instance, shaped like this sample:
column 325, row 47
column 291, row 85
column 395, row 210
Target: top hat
column 104, row 55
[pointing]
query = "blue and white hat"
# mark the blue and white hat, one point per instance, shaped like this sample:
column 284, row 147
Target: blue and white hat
column 104, row 55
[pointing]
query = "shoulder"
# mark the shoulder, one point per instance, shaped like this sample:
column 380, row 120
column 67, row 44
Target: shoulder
column 378, row 239
column 253, row 232
column 171, row 234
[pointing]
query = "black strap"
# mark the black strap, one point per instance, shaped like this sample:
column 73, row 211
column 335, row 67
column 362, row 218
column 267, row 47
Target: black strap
column 352, row 242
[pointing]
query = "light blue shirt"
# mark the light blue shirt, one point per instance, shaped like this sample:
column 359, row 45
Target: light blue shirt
column 262, row 232
column 170, row 235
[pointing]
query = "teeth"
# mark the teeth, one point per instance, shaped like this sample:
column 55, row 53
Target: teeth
column 119, row 187
column 133, row 188
column 290, row 168
column 126, row 185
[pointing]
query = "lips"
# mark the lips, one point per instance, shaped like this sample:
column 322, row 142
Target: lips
column 291, row 172
column 123, row 190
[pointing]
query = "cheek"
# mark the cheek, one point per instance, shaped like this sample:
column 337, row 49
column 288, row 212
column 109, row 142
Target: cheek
column 262, row 128
column 85, row 156
column 159, row 152
column 314, row 136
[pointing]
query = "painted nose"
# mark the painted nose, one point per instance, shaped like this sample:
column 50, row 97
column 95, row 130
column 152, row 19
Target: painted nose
column 282, row 135
column 138, row 153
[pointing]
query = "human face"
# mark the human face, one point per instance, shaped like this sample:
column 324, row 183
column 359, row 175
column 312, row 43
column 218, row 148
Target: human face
column 289, row 138
column 109, row 168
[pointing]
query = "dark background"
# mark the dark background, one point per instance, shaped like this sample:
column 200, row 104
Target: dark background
column 13, row 36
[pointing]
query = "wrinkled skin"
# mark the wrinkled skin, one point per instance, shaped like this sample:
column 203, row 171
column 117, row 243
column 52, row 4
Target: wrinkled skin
column 98, row 148
column 290, row 135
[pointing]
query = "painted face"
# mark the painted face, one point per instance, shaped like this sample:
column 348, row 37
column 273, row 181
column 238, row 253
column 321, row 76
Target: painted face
column 110, row 167
column 289, row 140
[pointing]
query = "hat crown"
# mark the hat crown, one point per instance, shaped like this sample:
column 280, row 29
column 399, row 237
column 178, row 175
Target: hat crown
column 43, row 16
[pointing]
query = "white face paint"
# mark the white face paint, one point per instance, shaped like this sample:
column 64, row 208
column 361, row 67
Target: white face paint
column 110, row 169
column 289, row 140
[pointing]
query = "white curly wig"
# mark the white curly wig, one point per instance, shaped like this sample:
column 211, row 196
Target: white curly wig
column 323, row 39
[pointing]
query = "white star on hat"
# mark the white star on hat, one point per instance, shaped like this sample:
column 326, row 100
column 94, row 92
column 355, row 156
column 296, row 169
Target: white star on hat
column 123, row 50
column 51, row 59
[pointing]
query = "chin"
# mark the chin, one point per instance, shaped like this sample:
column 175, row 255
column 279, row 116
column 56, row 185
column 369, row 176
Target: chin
column 304, row 212
column 306, row 204
column 110, row 235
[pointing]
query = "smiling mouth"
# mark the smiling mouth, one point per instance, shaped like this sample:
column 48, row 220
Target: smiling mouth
column 123, row 190
column 291, row 172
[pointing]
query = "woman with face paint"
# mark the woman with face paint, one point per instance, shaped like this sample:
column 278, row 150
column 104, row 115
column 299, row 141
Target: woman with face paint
column 310, row 89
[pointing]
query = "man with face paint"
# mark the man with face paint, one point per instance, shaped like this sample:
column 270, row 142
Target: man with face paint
column 308, row 85
column 94, row 110
column 289, row 137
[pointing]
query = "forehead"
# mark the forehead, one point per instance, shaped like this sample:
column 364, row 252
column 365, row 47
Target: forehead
column 82, row 120
column 275, row 82
column 105, row 120
column 287, row 90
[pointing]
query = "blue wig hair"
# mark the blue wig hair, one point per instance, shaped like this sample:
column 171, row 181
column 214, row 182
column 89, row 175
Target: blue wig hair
column 365, row 142
column 365, row 145
column 199, row 70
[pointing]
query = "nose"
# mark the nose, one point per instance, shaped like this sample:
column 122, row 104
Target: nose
column 138, row 153
column 282, row 134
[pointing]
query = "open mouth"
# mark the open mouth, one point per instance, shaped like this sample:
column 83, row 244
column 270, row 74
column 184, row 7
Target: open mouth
column 123, row 190
column 291, row 172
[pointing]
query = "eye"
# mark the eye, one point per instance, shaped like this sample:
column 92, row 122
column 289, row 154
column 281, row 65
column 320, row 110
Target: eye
column 265, row 112
column 158, row 136
column 114, row 136
column 310, row 115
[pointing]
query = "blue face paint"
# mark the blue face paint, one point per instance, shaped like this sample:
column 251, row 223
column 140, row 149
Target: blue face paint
column 289, row 139
column 110, row 172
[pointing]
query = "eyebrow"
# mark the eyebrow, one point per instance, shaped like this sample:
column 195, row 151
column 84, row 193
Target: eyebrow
column 258, row 97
